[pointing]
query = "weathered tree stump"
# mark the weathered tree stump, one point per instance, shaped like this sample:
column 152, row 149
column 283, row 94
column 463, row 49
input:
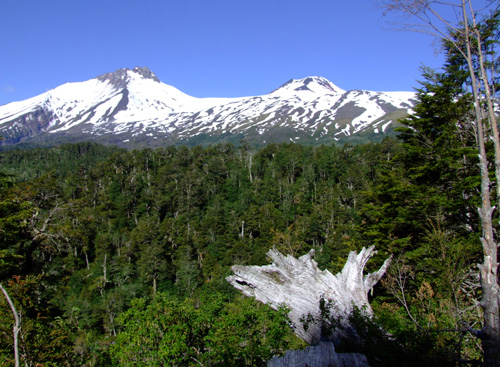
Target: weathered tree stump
column 300, row 286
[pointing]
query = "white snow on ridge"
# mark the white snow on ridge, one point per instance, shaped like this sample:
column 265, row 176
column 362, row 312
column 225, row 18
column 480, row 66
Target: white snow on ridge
column 397, row 99
column 308, row 88
column 372, row 110
column 142, row 105
column 15, row 110
column 142, row 89
column 385, row 126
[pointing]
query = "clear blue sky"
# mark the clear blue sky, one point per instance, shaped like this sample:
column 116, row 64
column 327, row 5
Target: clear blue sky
column 206, row 48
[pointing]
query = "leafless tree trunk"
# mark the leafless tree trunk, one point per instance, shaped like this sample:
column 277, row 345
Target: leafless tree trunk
column 430, row 18
column 17, row 325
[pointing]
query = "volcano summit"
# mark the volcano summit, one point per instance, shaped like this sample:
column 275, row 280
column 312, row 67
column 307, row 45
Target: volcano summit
column 132, row 108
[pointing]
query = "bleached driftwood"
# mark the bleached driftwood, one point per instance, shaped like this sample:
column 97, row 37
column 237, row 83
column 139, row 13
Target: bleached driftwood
column 300, row 286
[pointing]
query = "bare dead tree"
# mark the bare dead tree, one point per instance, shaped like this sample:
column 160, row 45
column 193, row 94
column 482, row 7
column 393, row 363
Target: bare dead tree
column 17, row 325
column 455, row 22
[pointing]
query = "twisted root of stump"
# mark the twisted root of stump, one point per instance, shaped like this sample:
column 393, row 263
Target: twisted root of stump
column 305, row 290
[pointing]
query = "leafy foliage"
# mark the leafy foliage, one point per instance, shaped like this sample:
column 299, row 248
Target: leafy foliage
column 213, row 332
column 105, row 229
column 116, row 241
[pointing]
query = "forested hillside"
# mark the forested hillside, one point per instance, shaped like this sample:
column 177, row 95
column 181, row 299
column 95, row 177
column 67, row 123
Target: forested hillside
column 105, row 251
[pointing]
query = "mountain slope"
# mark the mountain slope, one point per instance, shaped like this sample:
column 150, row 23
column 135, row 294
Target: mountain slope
column 132, row 107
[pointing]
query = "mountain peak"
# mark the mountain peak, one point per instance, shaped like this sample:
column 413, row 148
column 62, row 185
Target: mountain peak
column 120, row 77
column 146, row 73
column 131, row 107
column 314, row 84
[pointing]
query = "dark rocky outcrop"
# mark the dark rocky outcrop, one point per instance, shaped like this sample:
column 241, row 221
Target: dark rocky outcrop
column 321, row 355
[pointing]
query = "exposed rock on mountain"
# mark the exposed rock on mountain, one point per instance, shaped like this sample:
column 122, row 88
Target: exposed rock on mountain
column 133, row 108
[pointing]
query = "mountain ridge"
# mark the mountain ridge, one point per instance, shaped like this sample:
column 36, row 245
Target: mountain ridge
column 132, row 107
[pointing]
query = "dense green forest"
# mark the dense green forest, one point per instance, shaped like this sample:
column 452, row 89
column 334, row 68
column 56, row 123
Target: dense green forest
column 119, row 257
column 114, row 257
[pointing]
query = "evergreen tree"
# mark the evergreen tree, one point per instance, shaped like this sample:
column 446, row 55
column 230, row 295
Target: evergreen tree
column 425, row 208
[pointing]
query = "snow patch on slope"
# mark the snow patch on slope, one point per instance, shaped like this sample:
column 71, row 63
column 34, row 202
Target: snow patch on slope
column 136, row 102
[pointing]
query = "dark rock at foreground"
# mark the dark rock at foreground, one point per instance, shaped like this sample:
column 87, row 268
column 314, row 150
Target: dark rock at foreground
column 322, row 355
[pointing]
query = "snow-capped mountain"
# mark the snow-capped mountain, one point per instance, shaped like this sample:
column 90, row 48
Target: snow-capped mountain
column 132, row 107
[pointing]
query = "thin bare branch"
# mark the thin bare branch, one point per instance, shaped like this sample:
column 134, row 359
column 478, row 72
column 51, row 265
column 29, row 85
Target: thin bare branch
column 17, row 324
